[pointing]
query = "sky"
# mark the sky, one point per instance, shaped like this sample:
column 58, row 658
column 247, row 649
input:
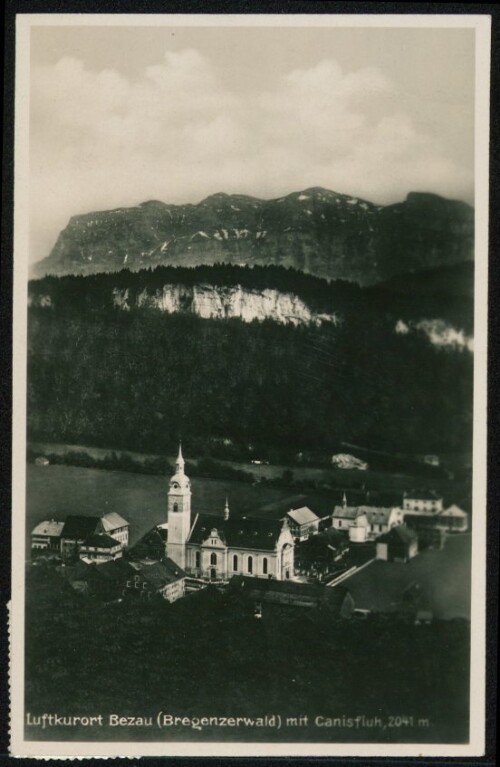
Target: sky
column 120, row 115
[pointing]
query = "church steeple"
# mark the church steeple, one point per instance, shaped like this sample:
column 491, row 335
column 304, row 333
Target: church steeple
column 179, row 464
column 179, row 512
column 226, row 509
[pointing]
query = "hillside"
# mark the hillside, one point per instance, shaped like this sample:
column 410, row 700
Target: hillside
column 316, row 231
column 137, row 378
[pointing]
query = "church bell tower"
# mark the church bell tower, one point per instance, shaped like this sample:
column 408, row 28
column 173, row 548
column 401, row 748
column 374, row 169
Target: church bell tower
column 178, row 513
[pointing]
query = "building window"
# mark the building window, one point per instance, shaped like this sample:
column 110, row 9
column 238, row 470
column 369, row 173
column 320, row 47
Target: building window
column 264, row 565
column 213, row 559
column 198, row 559
column 250, row 564
column 235, row 562
column 176, row 507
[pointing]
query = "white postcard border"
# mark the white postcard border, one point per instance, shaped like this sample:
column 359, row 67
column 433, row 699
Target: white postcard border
column 24, row 748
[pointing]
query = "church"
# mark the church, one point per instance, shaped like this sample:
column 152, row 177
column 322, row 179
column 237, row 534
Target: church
column 218, row 547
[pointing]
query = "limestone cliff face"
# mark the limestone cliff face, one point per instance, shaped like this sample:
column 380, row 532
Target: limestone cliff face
column 216, row 302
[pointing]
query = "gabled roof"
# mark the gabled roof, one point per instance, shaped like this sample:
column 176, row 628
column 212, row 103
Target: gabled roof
column 303, row 516
column 238, row 532
column 112, row 521
column 400, row 534
column 48, row 527
column 346, row 512
column 160, row 574
column 115, row 569
column 376, row 515
column 101, row 541
column 78, row 527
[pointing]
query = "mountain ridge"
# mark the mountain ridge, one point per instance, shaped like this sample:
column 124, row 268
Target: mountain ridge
column 316, row 230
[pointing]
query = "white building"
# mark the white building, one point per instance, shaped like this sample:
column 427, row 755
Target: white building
column 218, row 547
column 423, row 501
column 47, row 535
column 303, row 522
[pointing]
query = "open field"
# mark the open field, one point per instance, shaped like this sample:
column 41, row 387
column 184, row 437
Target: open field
column 321, row 477
column 55, row 491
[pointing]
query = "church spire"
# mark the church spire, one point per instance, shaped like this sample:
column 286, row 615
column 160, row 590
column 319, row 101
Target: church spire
column 226, row 509
column 179, row 464
column 344, row 501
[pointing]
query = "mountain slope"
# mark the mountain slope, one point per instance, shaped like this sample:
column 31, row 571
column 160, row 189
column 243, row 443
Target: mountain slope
column 317, row 231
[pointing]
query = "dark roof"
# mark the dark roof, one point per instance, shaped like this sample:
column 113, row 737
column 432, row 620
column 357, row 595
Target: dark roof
column 400, row 534
column 262, row 586
column 115, row 570
column 78, row 527
column 101, row 541
column 238, row 532
column 423, row 495
column 80, row 571
column 160, row 574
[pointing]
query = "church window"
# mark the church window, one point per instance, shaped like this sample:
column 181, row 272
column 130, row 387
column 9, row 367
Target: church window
column 213, row 559
column 176, row 507
column 235, row 562
column 250, row 564
column 264, row 565
column 198, row 559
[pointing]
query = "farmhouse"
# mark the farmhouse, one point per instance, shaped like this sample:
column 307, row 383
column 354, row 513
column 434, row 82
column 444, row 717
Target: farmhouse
column 78, row 529
column 163, row 578
column 293, row 593
column 303, row 522
column 100, row 547
column 46, row 536
column 398, row 545
column 427, row 501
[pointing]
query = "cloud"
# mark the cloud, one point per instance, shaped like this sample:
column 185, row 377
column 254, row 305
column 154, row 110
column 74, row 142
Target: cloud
column 102, row 140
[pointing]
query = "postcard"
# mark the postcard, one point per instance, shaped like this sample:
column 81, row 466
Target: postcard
column 250, row 331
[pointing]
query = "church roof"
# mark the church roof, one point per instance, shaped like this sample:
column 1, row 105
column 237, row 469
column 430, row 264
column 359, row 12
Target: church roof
column 238, row 532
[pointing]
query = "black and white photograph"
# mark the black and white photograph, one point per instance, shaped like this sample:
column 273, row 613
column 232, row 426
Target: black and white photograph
column 250, row 273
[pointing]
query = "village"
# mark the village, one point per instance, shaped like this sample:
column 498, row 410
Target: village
column 352, row 555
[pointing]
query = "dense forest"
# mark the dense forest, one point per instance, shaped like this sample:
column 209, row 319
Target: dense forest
column 207, row 654
column 444, row 292
column 140, row 379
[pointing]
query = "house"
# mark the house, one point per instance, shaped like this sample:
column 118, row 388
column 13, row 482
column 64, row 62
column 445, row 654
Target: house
column 46, row 536
column 303, row 523
column 216, row 547
column 454, row 519
column 42, row 461
column 152, row 545
column 293, row 593
column 100, row 547
column 426, row 501
column 429, row 529
column 116, row 526
column 77, row 528
column 398, row 545
column 151, row 579
column 377, row 520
